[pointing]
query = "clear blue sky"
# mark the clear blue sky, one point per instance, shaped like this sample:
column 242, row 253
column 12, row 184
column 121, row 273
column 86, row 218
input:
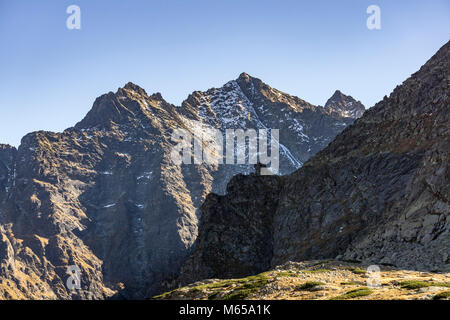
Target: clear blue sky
column 50, row 76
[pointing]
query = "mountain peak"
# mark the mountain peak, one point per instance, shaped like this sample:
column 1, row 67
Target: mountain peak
column 246, row 82
column 130, row 86
column 116, row 106
column 244, row 76
column 345, row 105
column 338, row 93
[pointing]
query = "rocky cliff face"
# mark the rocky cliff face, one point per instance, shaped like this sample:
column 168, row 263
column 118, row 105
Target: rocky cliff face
column 379, row 193
column 106, row 197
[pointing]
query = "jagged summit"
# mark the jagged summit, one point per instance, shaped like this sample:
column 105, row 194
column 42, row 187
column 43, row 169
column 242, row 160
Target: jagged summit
column 132, row 90
column 337, row 95
column 246, row 79
column 227, row 102
column 244, row 76
column 345, row 105
column 134, row 87
column 127, row 105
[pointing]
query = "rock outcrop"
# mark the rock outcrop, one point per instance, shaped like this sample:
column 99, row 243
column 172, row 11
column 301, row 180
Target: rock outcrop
column 105, row 196
column 379, row 193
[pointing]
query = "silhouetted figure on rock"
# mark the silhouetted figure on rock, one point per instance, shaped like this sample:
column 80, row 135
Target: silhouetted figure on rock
column 258, row 167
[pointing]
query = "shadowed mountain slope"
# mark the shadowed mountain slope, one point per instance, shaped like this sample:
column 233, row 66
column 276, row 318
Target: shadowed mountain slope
column 379, row 193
